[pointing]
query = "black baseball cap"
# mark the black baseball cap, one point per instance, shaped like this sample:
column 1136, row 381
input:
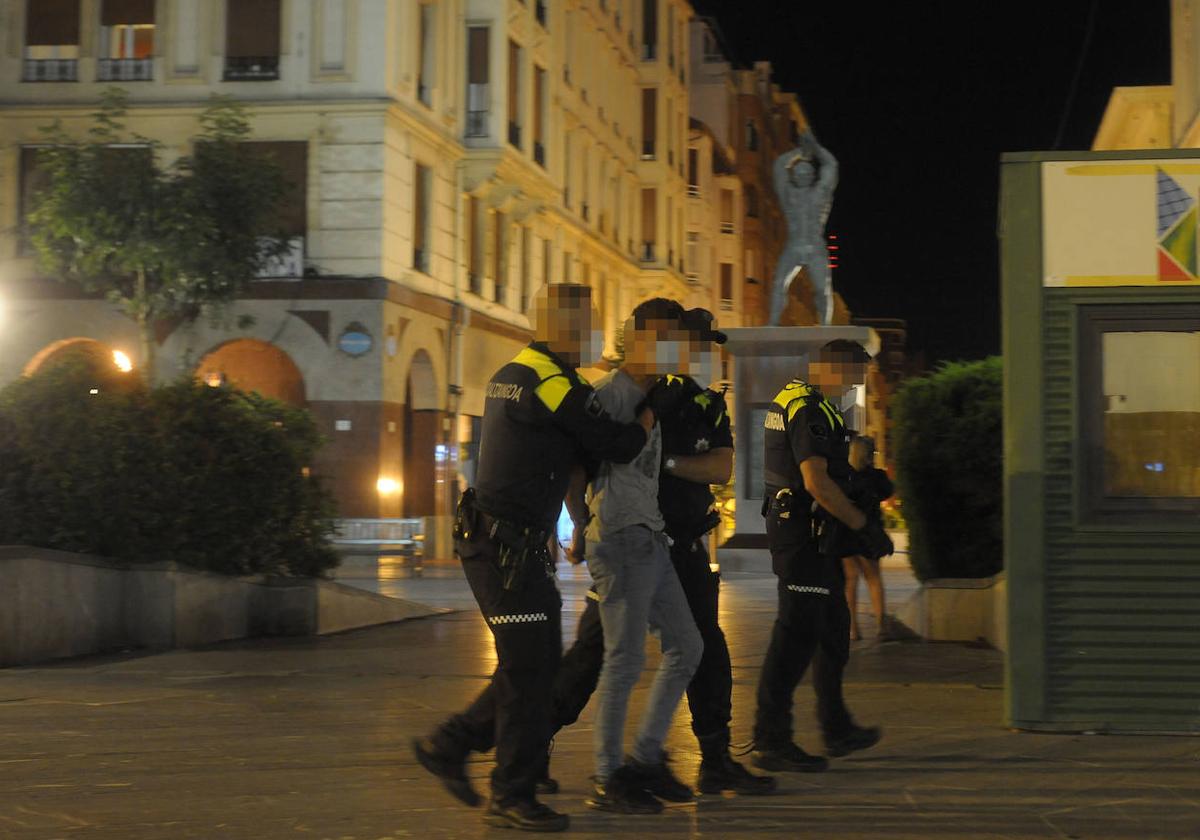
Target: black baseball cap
column 700, row 322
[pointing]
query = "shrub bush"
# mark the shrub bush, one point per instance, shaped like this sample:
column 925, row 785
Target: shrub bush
column 949, row 443
column 93, row 461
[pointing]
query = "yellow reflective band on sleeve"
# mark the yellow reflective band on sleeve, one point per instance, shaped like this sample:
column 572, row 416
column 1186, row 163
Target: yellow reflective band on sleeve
column 542, row 365
column 794, row 406
column 702, row 399
column 553, row 391
column 829, row 414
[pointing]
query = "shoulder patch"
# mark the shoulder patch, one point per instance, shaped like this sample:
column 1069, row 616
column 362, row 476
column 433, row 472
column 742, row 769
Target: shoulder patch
column 553, row 391
column 818, row 430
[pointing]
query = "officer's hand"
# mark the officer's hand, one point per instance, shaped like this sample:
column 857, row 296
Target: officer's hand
column 575, row 554
column 646, row 419
column 878, row 543
column 666, row 396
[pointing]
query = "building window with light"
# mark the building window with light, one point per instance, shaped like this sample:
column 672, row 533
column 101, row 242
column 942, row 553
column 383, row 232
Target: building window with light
column 51, row 41
column 126, row 41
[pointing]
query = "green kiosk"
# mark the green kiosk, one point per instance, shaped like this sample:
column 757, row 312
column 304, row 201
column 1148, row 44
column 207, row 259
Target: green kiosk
column 1101, row 310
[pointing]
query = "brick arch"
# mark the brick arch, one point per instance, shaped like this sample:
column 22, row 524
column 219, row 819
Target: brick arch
column 254, row 365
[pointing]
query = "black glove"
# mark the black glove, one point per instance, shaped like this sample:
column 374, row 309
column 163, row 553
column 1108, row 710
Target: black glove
column 876, row 540
column 667, row 395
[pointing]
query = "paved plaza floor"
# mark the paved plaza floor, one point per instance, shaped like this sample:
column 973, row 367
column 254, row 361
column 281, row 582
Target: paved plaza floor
column 309, row 738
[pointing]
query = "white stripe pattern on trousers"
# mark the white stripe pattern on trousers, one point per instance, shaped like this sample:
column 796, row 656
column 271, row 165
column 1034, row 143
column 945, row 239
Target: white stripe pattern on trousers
column 808, row 590
column 522, row 618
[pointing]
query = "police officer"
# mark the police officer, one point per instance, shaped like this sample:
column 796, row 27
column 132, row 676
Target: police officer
column 538, row 417
column 698, row 452
column 806, row 468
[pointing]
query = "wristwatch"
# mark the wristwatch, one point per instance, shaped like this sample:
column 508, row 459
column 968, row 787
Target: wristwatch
column 670, row 465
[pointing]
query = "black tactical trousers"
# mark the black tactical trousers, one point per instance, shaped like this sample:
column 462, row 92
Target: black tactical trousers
column 710, row 691
column 812, row 626
column 514, row 712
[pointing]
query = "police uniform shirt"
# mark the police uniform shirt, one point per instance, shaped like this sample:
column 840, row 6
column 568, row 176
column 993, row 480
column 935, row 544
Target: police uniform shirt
column 701, row 425
column 801, row 424
column 539, row 416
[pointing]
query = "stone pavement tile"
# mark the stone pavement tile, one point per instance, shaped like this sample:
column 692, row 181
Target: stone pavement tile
column 308, row 738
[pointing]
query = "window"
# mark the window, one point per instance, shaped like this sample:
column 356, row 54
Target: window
column 751, row 264
column 670, row 132
column 422, row 206
column 539, row 12
column 251, row 40
column 727, row 225
column 670, row 35
column 752, row 201
column 514, row 94
column 751, row 136
column 474, row 245
column 726, row 286
column 478, row 106
column 539, row 116
column 291, row 219
column 51, row 41
column 693, row 172
column 568, row 172
column 1140, row 378
column 712, row 48
column 649, row 223
column 692, row 256
column 547, row 261
column 649, row 30
column 499, row 257
column 427, row 54
column 649, row 122
column 526, row 256
column 126, row 41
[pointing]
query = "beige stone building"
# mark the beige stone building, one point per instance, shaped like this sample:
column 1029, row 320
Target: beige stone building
column 449, row 157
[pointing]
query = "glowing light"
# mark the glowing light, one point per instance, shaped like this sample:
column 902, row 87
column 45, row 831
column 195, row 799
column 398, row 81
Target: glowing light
column 214, row 379
column 94, row 391
column 387, row 486
column 123, row 362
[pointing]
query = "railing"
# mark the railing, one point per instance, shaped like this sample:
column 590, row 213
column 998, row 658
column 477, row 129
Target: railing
column 125, row 70
column 477, row 110
column 514, row 134
column 539, row 153
column 727, row 227
column 693, row 190
column 693, row 277
column 386, row 536
column 726, row 304
column 251, row 68
column 647, row 150
column 50, row 70
column 289, row 264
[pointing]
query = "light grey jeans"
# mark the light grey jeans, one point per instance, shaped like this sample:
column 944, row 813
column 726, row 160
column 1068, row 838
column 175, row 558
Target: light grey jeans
column 639, row 589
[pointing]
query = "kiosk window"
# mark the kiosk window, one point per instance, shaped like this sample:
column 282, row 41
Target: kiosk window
column 1141, row 387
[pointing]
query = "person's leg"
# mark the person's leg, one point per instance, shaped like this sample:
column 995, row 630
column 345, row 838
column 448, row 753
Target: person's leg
column 794, row 640
column 621, row 565
column 875, row 586
column 710, row 692
column 580, row 668
column 682, row 648
column 850, row 567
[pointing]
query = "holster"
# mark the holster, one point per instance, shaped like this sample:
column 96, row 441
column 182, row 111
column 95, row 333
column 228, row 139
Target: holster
column 522, row 550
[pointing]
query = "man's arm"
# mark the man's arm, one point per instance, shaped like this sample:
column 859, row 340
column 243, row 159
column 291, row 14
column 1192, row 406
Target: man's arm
column 578, row 510
column 577, row 410
column 713, row 467
column 828, row 494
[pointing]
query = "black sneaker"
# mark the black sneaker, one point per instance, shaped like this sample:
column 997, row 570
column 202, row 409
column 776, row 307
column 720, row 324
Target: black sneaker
column 621, row 793
column 659, row 781
column 788, row 758
column 852, row 740
column 451, row 772
column 526, row 815
column 723, row 773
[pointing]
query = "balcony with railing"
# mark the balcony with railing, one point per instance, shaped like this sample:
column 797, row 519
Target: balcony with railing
column 125, row 70
column 728, row 227
column 693, row 190
column 478, row 110
column 50, row 70
column 251, row 68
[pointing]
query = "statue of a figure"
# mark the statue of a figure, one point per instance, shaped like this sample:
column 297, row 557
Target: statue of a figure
column 805, row 178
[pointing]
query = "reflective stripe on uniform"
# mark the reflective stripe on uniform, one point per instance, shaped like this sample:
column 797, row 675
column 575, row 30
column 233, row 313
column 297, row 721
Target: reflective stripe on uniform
column 808, row 590
column 554, row 385
column 593, row 595
column 519, row 618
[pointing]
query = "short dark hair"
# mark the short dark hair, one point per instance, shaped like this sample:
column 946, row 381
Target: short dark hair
column 845, row 351
column 657, row 309
column 568, row 295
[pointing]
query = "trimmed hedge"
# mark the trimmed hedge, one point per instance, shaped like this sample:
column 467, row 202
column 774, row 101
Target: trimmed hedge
column 949, row 467
column 93, row 461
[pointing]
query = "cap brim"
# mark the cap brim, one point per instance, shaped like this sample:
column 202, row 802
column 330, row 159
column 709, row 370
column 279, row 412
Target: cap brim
column 715, row 336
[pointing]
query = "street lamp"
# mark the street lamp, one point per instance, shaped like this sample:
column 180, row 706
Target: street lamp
column 122, row 361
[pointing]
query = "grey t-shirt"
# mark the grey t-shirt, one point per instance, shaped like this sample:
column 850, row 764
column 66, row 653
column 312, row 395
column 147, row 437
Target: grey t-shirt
column 625, row 494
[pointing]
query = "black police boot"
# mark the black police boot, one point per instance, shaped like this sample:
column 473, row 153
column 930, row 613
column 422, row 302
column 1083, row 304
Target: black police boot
column 451, row 771
column 526, row 815
column 622, row 793
column 719, row 772
column 852, row 740
column 546, row 785
column 658, row 780
column 787, row 758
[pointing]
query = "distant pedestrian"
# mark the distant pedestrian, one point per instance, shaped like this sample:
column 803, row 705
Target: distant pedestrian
column 869, row 486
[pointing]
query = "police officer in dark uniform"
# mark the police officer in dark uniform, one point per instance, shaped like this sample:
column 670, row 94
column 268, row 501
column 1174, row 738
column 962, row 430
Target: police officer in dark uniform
column 539, row 416
column 806, row 471
column 698, row 452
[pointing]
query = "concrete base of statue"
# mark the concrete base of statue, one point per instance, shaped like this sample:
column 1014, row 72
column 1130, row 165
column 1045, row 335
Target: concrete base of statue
column 764, row 360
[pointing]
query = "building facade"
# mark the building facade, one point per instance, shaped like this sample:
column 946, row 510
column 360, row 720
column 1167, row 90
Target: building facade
column 448, row 157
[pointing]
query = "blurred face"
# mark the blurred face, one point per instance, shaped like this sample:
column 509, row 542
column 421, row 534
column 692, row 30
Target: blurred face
column 835, row 376
column 658, row 348
column 571, row 333
column 702, row 361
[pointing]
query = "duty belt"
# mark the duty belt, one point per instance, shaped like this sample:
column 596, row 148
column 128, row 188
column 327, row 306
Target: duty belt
column 523, row 549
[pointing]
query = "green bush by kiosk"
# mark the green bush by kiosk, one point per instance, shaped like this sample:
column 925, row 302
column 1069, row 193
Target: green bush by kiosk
column 1101, row 342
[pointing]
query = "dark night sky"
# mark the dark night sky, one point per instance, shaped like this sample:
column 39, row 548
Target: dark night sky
column 918, row 100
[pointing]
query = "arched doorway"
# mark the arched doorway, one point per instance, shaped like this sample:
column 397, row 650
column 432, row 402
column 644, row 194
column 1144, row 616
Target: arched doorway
column 422, row 438
column 253, row 365
column 97, row 354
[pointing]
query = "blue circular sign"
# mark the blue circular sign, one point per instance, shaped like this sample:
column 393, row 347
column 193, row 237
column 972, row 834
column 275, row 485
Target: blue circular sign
column 355, row 342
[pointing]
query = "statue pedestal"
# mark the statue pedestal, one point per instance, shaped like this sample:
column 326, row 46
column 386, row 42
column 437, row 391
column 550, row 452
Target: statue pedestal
column 765, row 359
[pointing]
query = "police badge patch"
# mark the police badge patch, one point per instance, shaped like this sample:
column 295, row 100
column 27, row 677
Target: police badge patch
column 818, row 431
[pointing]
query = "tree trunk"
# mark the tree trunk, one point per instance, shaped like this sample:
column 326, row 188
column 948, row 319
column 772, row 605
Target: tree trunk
column 145, row 329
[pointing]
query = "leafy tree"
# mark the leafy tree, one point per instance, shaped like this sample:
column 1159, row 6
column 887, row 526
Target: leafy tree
column 163, row 240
